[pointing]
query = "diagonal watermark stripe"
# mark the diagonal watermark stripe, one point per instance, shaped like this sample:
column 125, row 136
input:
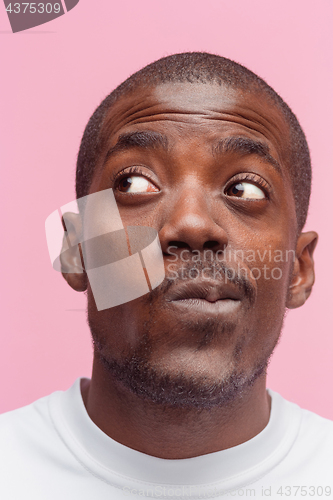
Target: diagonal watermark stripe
column 121, row 263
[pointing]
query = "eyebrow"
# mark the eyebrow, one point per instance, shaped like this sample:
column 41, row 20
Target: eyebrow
column 146, row 139
column 246, row 146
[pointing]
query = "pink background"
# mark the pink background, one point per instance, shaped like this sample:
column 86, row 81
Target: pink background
column 53, row 77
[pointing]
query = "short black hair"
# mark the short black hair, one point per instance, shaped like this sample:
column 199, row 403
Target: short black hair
column 200, row 67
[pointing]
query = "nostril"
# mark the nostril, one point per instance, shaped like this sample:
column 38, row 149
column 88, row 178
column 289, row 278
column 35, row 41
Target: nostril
column 210, row 245
column 179, row 244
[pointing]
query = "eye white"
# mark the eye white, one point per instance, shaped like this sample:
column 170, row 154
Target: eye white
column 138, row 184
column 246, row 191
column 252, row 192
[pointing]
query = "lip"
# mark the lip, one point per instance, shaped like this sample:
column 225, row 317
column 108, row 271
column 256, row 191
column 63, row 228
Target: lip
column 205, row 298
column 202, row 306
column 208, row 291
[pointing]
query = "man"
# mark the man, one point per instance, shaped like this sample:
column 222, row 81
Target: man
column 204, row 152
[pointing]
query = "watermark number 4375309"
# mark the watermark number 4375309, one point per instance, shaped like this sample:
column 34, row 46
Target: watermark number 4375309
column 26, row 15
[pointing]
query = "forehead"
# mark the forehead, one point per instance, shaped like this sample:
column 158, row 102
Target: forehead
column 208, row 108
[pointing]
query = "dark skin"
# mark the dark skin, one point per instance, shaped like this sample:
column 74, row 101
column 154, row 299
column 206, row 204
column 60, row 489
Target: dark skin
column 198, row 195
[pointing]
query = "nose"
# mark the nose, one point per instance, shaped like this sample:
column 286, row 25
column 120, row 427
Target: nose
column 189, row 224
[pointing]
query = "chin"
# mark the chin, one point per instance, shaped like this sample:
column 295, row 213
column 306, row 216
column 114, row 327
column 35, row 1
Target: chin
column 177, row 388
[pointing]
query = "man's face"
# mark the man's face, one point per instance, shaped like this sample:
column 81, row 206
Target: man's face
column 206, row 167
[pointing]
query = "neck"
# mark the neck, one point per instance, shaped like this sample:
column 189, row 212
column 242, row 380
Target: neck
column 173, row 433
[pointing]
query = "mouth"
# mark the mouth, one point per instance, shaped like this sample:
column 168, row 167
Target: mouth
column 218, row 307
column 205, row 297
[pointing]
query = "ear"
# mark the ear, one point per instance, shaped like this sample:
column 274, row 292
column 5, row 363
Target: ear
column 72, row 266
column 303, row 273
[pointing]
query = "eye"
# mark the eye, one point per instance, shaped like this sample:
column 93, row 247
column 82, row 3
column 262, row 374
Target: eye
column 136, row 184
column 246, row 191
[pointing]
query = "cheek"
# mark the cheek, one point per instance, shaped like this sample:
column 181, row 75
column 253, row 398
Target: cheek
column 104, row 337
column 267, row 257
column 272, row 270
column 272, row 276
column 265, row 319
column 116, row 329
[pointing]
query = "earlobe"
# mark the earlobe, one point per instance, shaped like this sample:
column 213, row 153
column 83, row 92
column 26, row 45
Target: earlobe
column 303, row 272
column 72, row 267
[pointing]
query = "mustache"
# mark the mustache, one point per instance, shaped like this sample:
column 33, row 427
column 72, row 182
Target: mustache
column 217, row 270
